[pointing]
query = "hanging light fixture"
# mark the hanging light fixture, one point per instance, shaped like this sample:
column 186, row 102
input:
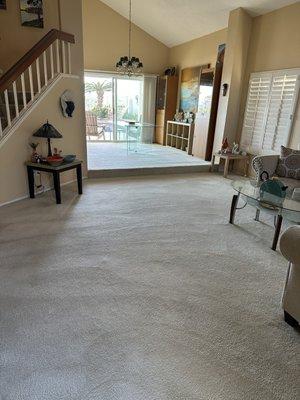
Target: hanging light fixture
column 129, row 65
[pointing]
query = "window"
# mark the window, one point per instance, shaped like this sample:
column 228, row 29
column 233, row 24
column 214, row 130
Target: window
column 111, row 100
column 271, row 101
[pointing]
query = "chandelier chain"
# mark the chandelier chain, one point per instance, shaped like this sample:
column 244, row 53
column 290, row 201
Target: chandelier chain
column 130, row 29
column 129, row 65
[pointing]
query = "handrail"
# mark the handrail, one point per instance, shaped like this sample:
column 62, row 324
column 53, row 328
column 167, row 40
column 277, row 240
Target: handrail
column 36, row 51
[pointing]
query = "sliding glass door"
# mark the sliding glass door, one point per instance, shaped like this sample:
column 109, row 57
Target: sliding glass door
column 99, row 107
column 129, row 104
column 111, row 102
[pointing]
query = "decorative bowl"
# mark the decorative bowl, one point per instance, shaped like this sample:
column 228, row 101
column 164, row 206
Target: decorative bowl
column 69, row 158
column 55, row 161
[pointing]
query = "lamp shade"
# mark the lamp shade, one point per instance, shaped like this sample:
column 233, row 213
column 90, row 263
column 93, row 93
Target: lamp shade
column 47, row 131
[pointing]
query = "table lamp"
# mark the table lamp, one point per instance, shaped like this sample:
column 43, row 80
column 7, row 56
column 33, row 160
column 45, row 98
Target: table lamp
column 49, row 132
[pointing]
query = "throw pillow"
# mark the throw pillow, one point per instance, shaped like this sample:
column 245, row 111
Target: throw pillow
column 289, row 163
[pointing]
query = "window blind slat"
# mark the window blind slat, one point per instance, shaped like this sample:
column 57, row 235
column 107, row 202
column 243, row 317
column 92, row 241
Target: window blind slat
column 269, row 110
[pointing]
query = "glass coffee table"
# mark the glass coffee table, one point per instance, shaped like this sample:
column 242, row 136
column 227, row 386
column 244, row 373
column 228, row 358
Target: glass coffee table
column 282, row 208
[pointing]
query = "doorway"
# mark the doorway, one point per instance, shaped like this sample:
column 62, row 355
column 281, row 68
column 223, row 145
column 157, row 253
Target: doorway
column 207, row 110
column 203, row 112
column 111, row 102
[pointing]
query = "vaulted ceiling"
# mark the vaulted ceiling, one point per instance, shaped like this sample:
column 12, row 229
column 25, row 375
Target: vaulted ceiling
column 173, row 22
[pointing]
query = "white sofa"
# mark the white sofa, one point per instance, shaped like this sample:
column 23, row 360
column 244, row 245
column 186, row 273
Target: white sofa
column 290, row 248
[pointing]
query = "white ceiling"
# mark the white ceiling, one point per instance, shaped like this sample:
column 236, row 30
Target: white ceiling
column 177, row 21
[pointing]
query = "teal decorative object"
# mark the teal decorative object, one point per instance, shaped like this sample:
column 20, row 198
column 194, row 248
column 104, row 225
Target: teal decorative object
column 69, row 158
column 271, row 187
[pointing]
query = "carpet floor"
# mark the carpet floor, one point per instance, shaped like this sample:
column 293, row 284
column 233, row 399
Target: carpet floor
column 141, row 290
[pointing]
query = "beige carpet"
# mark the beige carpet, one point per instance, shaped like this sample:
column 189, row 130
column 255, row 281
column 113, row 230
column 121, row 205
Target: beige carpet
column 141, row 290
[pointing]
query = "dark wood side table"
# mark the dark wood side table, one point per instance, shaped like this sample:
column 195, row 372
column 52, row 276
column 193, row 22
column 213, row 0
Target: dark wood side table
column 55, row 171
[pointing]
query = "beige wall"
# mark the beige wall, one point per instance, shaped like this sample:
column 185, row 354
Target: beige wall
column 106, row 39
column 238, row 36
column 15, row 151
column 275, row 44
column 203, row 50
column 15, row 39
column 275, row 40
column 200, row 51
column 13, row 154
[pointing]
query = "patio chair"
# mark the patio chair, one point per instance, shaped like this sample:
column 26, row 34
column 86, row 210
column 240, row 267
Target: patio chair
column 92, row 128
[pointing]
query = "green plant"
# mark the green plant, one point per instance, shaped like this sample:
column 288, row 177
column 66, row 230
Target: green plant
column 100, row 88
column 33, row 145
column 102, row 112
column 130, row 116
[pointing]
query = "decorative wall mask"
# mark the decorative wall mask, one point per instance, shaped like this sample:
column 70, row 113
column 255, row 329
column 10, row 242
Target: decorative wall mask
column 225, row 88
column 67, row 104
column 171, row 71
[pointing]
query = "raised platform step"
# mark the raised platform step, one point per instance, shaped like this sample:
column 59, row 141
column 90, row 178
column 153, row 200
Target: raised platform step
column 125, row 172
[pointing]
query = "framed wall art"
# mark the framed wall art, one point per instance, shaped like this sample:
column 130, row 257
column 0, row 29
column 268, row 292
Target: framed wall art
column 189, row 90
column 32, row 13
column 2, row 4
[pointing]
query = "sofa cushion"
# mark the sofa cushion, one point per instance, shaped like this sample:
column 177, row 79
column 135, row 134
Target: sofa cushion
column 265, row 163
column 289, row 163
column 291, row 183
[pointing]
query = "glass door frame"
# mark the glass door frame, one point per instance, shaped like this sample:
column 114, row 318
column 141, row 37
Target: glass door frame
column 115, row 78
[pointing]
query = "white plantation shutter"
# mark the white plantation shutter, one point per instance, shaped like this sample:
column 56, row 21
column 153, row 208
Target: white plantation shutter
column 271, row 102
column 282, row 100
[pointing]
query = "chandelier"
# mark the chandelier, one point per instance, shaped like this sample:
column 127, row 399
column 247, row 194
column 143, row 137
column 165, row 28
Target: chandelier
column 129, row 65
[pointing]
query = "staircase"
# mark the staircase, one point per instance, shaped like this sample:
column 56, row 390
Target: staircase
column 31, row 77
column 12, row 108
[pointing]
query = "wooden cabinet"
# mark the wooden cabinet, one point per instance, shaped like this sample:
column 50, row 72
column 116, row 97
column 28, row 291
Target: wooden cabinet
column 165, row 106
column 160, row 126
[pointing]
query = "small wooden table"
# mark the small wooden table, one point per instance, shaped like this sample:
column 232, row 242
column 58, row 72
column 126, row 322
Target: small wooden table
column 228, row 158
column 55, row 171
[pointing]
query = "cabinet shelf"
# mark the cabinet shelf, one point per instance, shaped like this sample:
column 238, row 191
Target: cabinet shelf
column 180, row 136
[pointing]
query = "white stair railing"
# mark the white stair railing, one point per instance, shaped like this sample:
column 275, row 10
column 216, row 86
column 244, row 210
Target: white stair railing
column 31, row 75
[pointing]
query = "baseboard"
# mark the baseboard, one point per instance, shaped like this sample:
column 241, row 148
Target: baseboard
column 47, row 189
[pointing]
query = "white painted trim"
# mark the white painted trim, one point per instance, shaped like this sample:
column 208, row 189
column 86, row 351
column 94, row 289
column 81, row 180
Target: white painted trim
column 31, row 106
column 47, row 189
column 289, row 71
column 14, row 201
column 97, row 73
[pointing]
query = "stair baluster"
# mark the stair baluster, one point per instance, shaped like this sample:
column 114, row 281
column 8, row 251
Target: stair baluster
column 58, row 57
column 69, row 58
column 16, row 99
column 45, row 68
column 31, row 82
column 23, row 91
column 7, row 108
column 29, row 78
